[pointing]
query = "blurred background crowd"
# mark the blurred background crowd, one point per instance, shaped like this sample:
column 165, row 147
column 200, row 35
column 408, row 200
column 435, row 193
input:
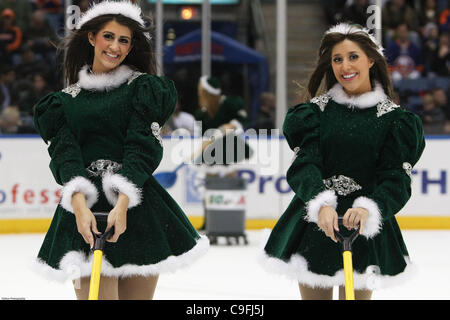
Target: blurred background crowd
column 416, row 38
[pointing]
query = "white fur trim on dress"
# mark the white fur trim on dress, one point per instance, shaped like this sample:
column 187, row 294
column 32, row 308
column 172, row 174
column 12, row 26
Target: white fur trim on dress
column 374, row 222
column 363, row 101
column 208, row 87
column 75, row 265
column 104, row 81
column 78, row 184
column 114, row 183
column 324, row 198
column 125, row 8
column 297, row 268
column 345, row 28
column 239, row 129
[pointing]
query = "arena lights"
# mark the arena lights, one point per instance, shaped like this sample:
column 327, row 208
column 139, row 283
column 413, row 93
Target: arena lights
column 188, row 13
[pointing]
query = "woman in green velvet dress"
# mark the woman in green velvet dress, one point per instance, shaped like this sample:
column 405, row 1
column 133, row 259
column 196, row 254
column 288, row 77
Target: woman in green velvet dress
column 354, row 152
column 224, row 117
column 103, row 131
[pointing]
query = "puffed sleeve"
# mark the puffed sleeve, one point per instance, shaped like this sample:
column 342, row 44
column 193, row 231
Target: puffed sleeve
column 66, row 162
column 301, row 128
column 153, row 102
column 401, row 150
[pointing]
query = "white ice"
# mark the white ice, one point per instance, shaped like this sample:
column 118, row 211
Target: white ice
column 229, row 273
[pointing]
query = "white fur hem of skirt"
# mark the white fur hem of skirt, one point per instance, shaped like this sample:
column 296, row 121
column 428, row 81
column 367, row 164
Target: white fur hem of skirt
column 324, row 198
column 371, row 279
column 112, row 184
column 75, row 265
column 78, row 184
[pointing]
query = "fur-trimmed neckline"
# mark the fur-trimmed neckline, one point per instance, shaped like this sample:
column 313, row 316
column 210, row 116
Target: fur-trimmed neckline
column 363, row 101
column 103, row 81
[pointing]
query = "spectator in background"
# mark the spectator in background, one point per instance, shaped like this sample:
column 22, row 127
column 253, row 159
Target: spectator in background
column 430, row 44
column 54, row 13
column 38, row 89
column 444, row 20
column 41, row 37
column 22, row 10
column 7, row 77
column 29, row 65
column 428, row 13
column 440, row 59
column 10, row 35
column 396, row 12
column 333, row 10
column 441, row 101
column 82, row 4
column 433, row 117
column 266, row 116
column 357, row 12
column 404, row 57
column 10, row 120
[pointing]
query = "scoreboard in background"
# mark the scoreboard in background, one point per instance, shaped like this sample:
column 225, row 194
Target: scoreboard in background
column 187, row 2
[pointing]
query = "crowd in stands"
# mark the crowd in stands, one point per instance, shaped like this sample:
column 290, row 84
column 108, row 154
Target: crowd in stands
column 30, row 31
column 416, row 38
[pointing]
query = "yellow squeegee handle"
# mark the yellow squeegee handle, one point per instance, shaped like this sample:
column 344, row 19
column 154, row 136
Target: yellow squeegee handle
column 348, row 271
column 94, row 285
column 99, row 244
column 347, row 260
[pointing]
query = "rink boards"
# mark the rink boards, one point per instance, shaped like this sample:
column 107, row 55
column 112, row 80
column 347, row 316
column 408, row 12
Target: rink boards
column 29, row 195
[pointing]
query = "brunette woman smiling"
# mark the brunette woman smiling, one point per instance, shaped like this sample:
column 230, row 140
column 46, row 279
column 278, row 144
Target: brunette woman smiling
column 354, row 152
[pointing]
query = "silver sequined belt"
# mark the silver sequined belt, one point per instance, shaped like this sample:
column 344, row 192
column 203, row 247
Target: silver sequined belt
column 101, row 167
column 342, row 185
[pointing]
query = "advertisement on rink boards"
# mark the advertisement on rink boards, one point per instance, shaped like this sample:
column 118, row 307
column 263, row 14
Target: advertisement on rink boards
column 28, row 190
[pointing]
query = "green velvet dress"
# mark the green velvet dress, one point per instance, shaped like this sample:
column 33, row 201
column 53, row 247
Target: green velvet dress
column 103, row 136
column 230, row 148
column 349, row 152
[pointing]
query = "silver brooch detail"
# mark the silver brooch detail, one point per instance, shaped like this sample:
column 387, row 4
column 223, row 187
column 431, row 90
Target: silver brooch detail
column 386, row 106
column 101, row 167
column 408, row 168
column 73, row 90
column 133, row 76
column 342, row 185
column 156, row 130
column 321, row 101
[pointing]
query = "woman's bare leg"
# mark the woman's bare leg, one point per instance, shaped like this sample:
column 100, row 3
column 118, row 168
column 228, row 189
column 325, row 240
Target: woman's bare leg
column 309, row 293
column 108, row 288
column 137, row 288
column 359, row 294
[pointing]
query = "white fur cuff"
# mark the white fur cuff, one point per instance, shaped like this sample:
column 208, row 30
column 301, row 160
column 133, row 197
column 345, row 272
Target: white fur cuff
column 325, row 198
column 374, row 222
column 113, row 184
column 238, row 126
column 78, row 184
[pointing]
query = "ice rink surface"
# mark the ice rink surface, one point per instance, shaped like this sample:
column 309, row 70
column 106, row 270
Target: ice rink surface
column 229, row 273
